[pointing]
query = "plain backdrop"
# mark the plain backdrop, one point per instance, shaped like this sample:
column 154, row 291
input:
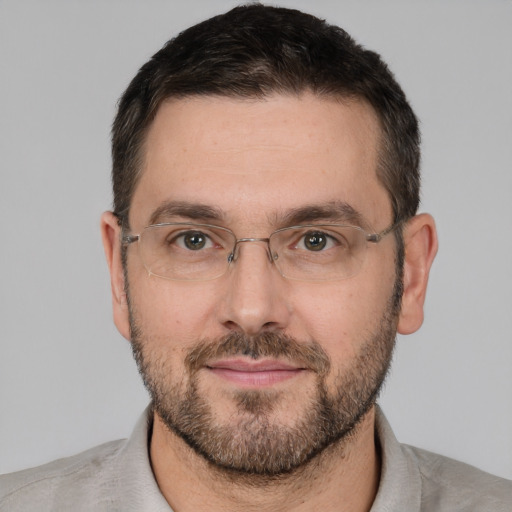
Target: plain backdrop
column 67, row 379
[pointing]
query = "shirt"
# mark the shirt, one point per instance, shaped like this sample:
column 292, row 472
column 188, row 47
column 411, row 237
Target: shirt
column 117, row 476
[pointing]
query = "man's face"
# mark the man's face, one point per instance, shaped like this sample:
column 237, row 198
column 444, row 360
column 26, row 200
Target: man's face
column 256, row 372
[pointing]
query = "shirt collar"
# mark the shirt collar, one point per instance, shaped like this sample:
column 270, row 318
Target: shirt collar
column 400, row 479
column 138, row 488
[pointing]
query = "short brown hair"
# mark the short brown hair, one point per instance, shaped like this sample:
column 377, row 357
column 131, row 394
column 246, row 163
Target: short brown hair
column 253, row 51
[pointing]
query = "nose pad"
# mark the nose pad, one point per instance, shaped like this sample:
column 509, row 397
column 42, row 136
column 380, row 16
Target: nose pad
column 233, row 256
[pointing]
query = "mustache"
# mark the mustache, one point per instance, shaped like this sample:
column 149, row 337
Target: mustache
column 309, row 355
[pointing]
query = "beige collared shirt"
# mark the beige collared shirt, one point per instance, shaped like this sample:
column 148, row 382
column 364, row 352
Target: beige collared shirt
column 117, row 476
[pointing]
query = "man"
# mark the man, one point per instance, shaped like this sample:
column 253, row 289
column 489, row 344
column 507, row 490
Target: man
column 264, row 250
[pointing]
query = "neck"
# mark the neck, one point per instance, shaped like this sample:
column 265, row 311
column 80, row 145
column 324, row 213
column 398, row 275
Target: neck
column 344, row 477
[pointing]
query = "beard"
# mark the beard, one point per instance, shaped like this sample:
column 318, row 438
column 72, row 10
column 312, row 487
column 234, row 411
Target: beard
column 253, row 441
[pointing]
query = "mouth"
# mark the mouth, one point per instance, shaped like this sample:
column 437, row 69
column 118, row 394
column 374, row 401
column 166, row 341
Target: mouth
column 254, row 374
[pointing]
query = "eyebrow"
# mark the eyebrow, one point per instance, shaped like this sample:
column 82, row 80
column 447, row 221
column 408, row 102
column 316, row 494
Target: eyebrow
column 193, row 211
column 335, row 211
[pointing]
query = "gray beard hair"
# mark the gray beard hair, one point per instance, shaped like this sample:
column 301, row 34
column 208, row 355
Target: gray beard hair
column 253, row 444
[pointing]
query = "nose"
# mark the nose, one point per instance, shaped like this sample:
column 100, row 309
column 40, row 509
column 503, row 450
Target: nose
column 255, row 298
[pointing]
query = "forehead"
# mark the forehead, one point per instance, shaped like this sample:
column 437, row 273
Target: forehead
column 251, row 159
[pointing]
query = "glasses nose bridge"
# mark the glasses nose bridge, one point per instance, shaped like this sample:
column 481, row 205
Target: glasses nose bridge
column 234, row 253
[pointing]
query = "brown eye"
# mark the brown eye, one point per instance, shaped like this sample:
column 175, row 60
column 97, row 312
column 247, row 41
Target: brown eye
column 194, row 240
column 315, row 241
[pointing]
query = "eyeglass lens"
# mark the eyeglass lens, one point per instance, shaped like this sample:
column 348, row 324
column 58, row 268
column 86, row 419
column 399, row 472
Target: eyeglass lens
column 202, row 252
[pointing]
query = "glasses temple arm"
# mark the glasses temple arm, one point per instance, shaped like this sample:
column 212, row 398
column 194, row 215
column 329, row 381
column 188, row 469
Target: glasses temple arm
column 377, row 237
column 129, row 239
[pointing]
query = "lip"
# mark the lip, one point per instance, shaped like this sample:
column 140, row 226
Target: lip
column 254, row 374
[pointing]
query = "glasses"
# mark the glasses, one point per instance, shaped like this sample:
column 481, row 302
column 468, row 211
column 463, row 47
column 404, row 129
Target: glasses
column 201, row 252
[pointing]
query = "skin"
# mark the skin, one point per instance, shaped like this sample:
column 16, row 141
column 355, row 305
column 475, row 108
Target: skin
column 255, row 161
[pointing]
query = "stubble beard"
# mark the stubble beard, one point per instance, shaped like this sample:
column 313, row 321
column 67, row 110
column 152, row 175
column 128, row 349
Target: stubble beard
column 254, row 442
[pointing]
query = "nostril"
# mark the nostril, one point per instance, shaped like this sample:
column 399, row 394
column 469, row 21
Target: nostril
column 232, row 326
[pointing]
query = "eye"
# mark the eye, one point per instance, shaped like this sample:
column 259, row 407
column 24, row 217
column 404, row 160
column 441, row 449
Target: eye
column 316, row 241
column 193, row 240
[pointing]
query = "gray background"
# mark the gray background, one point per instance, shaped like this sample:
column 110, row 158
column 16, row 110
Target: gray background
column 67, row 380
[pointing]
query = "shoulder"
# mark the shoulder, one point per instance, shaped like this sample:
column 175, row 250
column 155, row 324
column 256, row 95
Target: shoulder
column 417, row 480
column 451, row 485
column 113, row 477
column 49, row 485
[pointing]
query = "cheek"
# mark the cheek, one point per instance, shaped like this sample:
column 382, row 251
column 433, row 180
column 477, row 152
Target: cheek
column 342, row 316
column 170, row 311
column 332, row 317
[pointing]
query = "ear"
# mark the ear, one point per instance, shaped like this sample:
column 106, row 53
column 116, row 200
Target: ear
column 420, row 239
column 111, row 236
